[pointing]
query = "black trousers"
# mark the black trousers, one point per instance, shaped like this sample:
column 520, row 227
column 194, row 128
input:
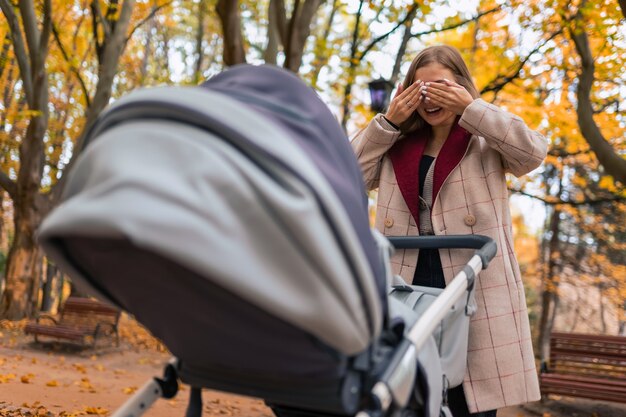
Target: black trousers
column 458, row 404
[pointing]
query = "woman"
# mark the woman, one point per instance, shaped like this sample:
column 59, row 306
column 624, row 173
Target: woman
column 438, row 158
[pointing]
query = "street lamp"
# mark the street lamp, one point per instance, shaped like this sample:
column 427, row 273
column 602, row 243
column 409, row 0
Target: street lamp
column 380, row 90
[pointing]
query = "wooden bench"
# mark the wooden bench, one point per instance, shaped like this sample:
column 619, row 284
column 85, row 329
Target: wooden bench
column 82, row 320
column 588, row 366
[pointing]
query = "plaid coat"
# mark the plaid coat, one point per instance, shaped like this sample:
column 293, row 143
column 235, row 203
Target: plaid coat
column 470, row 196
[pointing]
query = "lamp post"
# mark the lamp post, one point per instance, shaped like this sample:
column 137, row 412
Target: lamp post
column 380, row 90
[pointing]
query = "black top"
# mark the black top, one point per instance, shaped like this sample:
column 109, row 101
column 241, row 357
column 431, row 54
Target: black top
column 425, row 164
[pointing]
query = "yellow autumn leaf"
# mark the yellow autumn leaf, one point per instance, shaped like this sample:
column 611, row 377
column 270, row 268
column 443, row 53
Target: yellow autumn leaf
column 80, row 368
column 6, row 378
column 96, row 410
column 26, row 379
column 129, row 390
column 52, row 383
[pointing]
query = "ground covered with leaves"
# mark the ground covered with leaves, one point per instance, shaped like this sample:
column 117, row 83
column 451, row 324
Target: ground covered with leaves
column 54, row 379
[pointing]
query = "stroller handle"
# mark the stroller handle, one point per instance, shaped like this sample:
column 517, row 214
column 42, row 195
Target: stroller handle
column 486, row 246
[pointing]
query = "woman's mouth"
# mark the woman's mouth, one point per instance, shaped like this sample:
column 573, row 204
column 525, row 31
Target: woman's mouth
column 432, row 110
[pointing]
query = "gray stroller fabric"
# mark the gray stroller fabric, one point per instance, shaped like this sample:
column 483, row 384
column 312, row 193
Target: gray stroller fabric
column 226, row 210
column 451, row 335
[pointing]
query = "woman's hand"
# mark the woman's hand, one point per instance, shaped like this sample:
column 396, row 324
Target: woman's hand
column 447, row 94
column 404, row 103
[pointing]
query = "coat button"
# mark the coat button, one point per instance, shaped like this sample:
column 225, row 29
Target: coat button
column 470, row 220
column 388, row 222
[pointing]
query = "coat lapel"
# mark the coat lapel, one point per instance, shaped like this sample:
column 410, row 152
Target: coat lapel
column 450, row 156
column 406, row 155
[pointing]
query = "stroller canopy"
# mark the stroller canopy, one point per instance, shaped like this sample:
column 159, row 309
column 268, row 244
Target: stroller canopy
column 247, row 182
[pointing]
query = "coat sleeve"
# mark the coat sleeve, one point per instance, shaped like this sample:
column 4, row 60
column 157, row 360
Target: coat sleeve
column 370, row 145
column 521, row 148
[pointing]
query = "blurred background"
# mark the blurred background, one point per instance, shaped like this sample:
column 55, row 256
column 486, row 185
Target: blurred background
column 559, row 64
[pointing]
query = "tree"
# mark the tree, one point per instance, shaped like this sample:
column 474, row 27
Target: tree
column 613, row 163
column 31, row 30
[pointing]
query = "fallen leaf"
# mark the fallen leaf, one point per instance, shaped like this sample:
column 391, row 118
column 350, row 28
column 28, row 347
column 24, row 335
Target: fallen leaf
column 129, row 390
column 96, row 410
column 6, row 378
column 86, row 384
column 80, row 368
column 26, row 379
column 52, row 383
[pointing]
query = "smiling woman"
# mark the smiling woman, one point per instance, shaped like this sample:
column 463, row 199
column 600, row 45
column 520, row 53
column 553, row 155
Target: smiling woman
column 439, row 156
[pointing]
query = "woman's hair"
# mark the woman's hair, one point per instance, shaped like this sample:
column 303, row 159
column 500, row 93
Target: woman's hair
column 451, row 59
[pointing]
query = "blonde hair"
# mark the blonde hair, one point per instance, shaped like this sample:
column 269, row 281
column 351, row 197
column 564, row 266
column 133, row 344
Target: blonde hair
column 451, row 59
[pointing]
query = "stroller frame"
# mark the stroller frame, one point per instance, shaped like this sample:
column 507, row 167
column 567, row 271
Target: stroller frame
column 393, row 389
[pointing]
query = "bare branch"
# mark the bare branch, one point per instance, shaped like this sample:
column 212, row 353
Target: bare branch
column 559, row 202
column 29, row 20
column 502, row 80
column 610, row 160
column 146, row 19
column 8, row 185
column 417, row 35
column 44, row 38
column 407, row 17
column 74, row 70
column 19, row 48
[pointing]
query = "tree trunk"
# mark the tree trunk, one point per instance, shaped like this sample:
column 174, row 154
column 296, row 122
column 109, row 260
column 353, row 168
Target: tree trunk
column 20, row 295
column 47, row 298
column 321, row 50
column 601, row 310
column 347, row 92
column 613, row 163
column 147, row 54
column 228, row 12
column 271, row 48
column 406, row 37
column 197, row 74
column 23, row 272
column 622, row 322
column 549, row 295
column 299, row 30
column 110, row 52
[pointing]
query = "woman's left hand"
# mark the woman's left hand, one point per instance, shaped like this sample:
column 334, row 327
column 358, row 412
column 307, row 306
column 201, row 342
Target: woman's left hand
column 447, row 94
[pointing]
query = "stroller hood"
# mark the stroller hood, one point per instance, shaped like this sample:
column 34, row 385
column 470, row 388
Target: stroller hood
column 248, row 183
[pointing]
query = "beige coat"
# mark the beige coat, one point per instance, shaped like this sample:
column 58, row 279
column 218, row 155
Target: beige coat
column 473, row 199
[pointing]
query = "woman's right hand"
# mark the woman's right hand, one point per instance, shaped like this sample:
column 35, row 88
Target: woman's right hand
column 404, row 103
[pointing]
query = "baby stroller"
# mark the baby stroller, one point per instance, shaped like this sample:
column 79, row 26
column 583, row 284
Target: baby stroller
column 231, row 220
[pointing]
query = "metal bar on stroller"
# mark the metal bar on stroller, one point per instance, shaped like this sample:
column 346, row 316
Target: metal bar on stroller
column 151, row 391
column 391, row 386
column 486, row 250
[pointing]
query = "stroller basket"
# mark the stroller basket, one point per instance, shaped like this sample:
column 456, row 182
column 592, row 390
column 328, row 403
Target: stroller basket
column 231, row 220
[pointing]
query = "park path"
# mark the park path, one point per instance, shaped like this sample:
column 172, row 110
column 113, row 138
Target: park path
column 54, row 380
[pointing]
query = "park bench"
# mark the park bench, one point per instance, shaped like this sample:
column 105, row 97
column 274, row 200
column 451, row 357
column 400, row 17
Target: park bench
column 587, row 366
column 82, row 320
